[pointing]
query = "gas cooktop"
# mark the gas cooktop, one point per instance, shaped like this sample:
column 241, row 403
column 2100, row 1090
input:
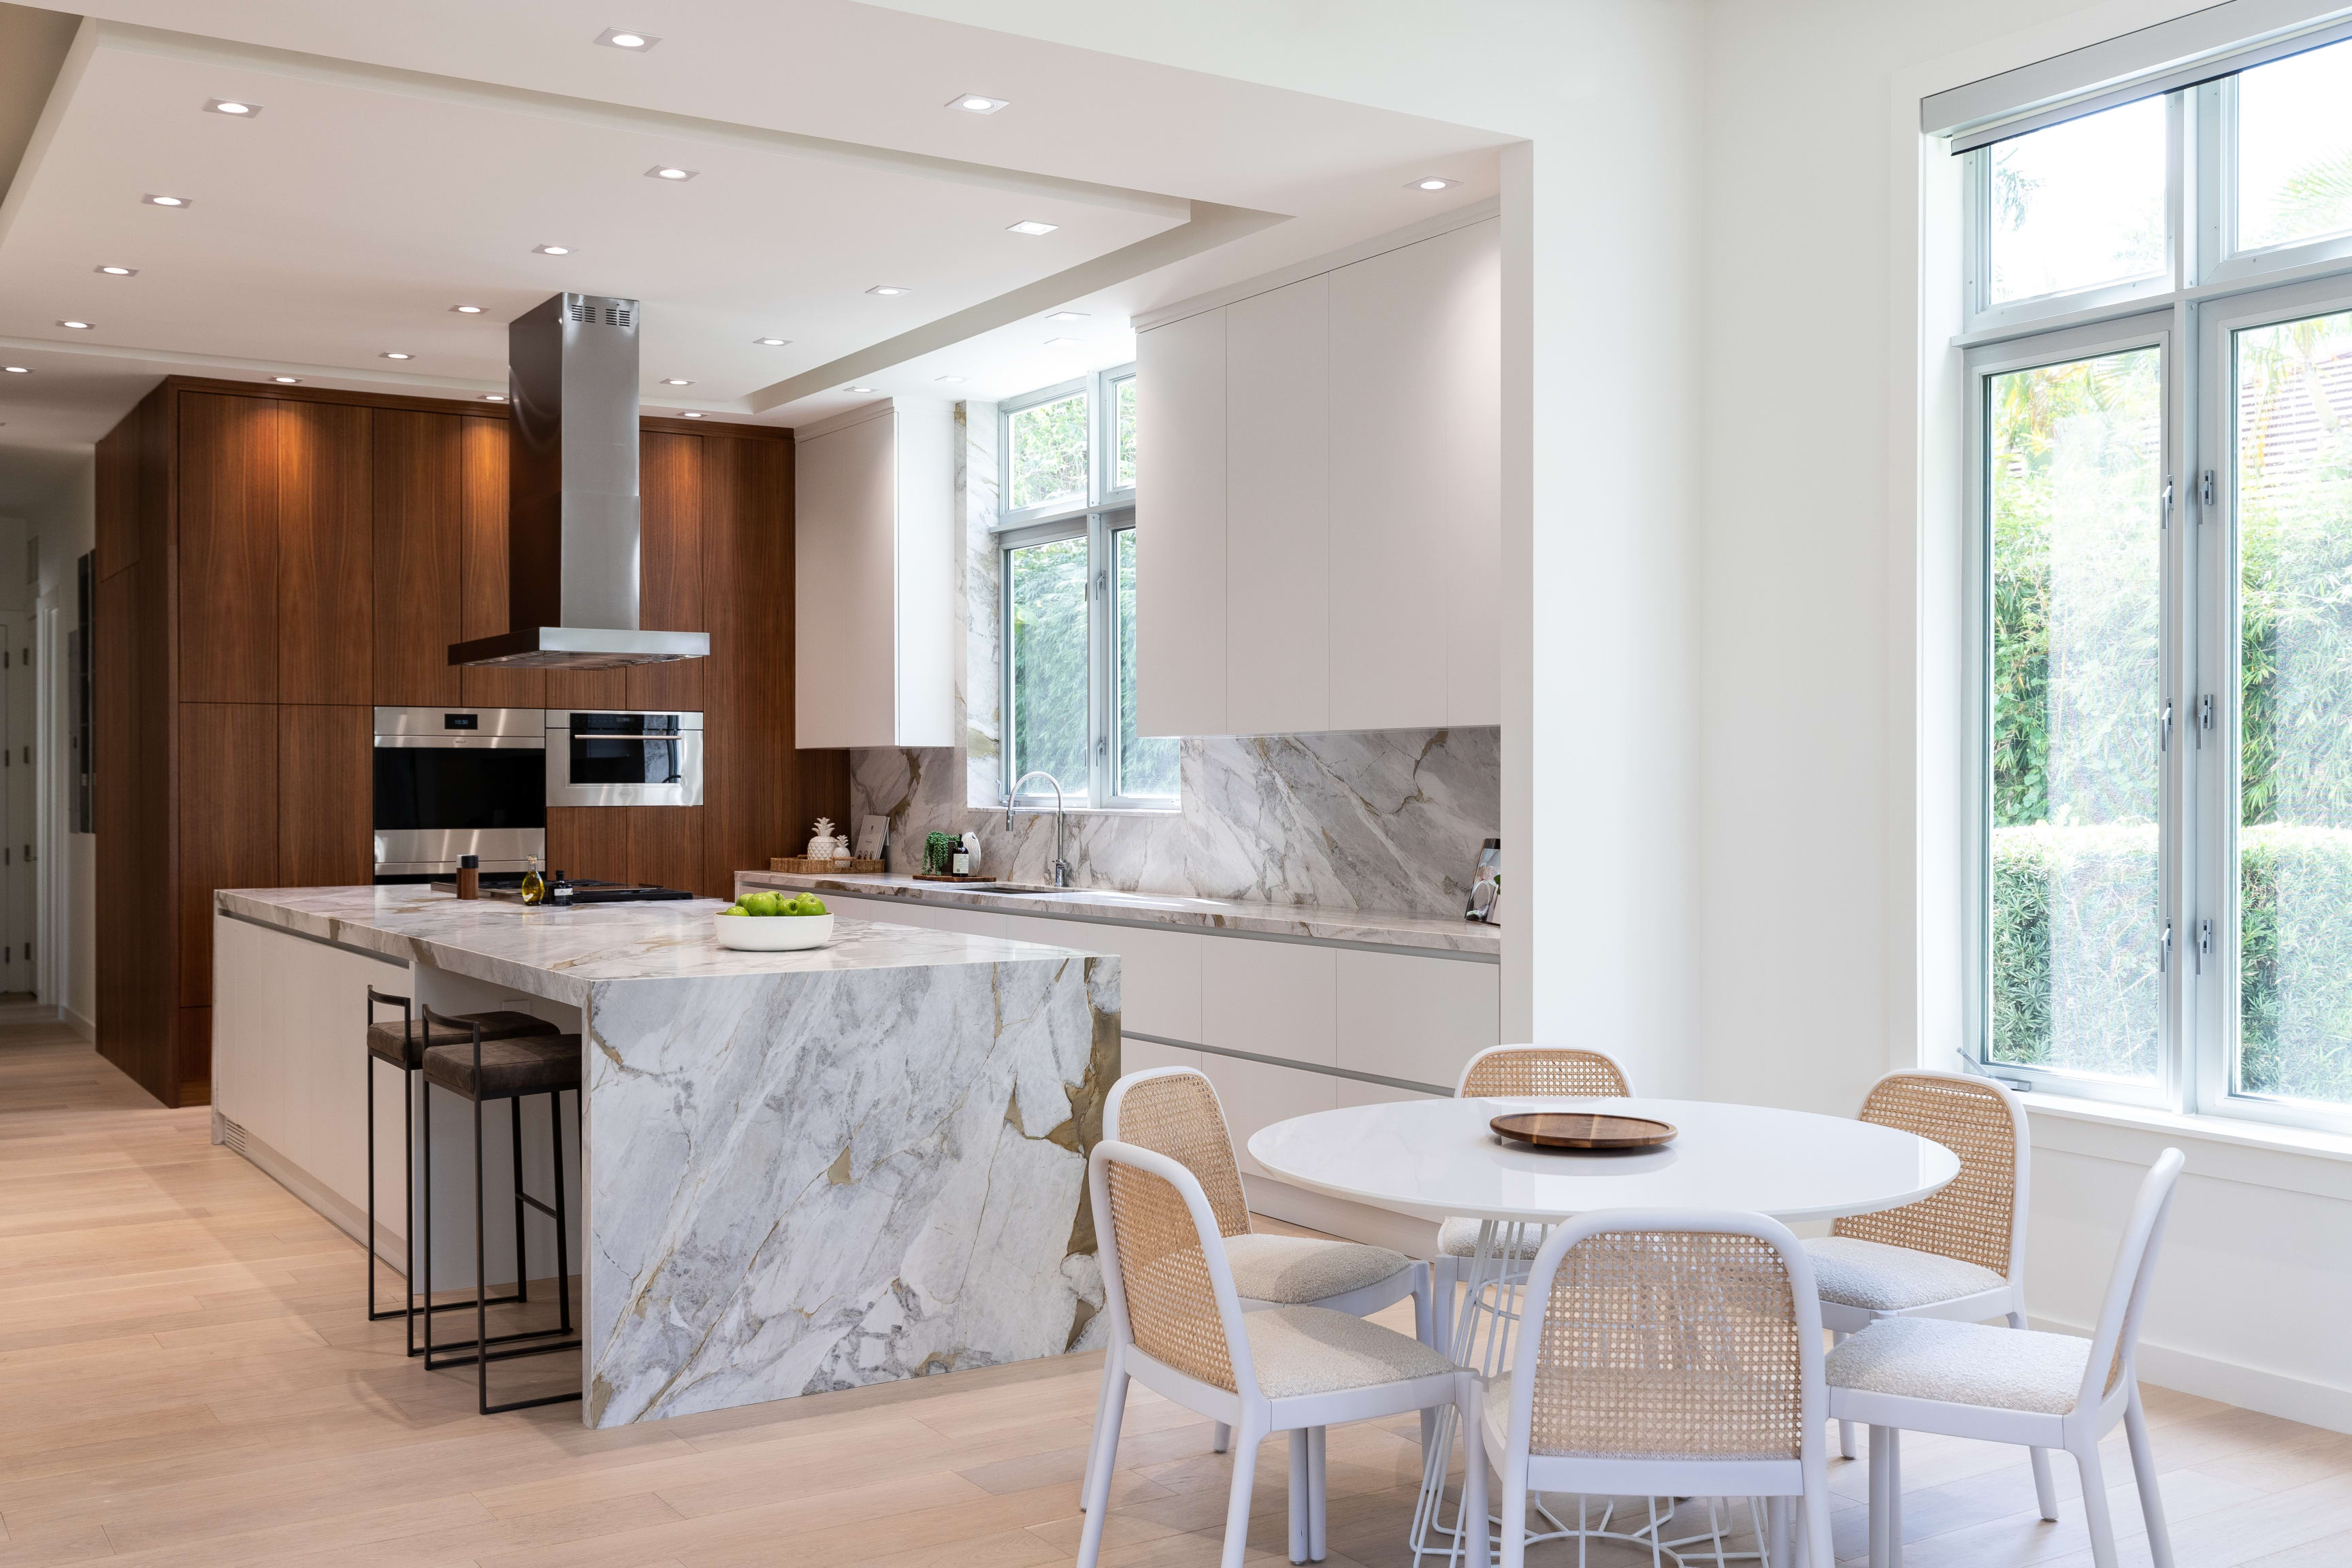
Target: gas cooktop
column 508, row 885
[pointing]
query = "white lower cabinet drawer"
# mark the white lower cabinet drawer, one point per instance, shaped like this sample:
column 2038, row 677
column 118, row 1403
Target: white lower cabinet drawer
column 1159, row 971
column 1268, row 998
column 1259, row 1094
column 1420, row 1019
column 907, row 913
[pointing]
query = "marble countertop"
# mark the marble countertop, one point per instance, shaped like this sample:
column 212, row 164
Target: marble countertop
column 560, row 953
column 1165, row 908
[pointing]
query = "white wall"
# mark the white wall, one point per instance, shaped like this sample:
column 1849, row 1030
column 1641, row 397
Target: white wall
column 65, row 525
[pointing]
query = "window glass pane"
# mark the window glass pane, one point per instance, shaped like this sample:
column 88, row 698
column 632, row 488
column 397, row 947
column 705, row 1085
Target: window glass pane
column 1123, row 466
column 1049, row 453
column 2295, row 642
column 2079, row 205
column 1145, row 767
column 1048, row 651
column 2295, row 148
column 2075, row 490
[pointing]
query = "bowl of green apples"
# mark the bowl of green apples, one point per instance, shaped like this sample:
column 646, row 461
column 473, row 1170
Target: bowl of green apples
column 774, row 923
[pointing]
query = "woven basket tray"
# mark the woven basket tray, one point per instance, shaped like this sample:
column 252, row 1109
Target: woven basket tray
column 802, row 866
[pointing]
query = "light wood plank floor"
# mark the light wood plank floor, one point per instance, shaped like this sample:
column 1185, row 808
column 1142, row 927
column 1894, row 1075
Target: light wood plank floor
column 186, row 1380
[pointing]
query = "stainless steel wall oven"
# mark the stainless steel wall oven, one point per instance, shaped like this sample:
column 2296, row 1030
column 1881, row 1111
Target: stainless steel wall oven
column 624, row 759
column 458, row 780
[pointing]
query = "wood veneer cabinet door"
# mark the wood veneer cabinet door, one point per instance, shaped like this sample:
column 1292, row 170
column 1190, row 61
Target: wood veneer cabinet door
column 482, row 569
column 590, row 841
column 666, row 844
column 669, row 567
column 325, row 605
column 229, row 822
column 230, row 452
column 747, row 758
column 416, row 466
column 326, row 786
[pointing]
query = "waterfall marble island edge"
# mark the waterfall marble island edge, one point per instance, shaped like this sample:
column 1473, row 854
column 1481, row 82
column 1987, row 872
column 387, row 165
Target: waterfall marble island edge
column 798, row 1171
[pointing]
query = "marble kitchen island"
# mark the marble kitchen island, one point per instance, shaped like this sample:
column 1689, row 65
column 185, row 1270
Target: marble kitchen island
column 799, row 1171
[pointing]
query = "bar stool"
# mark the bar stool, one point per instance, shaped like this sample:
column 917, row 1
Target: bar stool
column 403, row 1048
column 478, row 1071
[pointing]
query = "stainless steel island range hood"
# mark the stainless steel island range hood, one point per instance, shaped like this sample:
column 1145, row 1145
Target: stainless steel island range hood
column 571, row 496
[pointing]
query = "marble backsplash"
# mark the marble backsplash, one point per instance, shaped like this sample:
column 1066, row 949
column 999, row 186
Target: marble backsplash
column 1387, row 820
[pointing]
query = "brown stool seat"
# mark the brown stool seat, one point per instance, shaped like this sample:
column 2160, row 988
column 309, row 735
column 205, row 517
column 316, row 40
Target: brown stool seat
column 389, row 1044
column 519, row 1065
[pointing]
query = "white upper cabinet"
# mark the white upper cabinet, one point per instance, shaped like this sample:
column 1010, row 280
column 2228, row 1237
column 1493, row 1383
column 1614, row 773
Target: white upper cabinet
column 1179, row 535
column 874, row 577
column 1320, row 499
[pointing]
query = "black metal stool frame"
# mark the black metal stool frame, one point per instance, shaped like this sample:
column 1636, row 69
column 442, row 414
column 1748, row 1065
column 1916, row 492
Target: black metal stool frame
column 408, row 1310
column 480, row 1354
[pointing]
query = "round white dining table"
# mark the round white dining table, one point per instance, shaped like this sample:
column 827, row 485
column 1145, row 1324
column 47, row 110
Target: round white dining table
column 1438, row 1160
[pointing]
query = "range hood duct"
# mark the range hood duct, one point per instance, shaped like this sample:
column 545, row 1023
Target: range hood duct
column 571, row 496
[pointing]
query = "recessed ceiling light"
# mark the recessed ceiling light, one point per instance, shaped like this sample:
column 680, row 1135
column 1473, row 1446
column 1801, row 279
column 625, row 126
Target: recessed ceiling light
column 1065, row 342
column 773, row 343
column 287, row 380
column 690, row 414
column 117, row 271
column 886, row 288
column 467, row 309
column 394, row 353
column 856, row 389
column 671, row 171
column 953, row 380
column 235, row 106
column 1067, row 316
column 674, row 381
column 76, row 326
column 626, row 38
column 551, row 250
column 1031, row 226
column 16, row 369
column 153, row 200
column 1433, row 182
column 977, row 103
column 494, row 398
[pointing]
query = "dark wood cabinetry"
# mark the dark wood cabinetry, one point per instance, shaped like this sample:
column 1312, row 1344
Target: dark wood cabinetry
column 272, row 563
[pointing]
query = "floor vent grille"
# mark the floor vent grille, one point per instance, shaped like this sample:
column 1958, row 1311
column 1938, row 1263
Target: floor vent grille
column 232, row 1135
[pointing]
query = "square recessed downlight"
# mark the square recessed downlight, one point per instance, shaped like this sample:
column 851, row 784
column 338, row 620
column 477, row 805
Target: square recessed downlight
column 627, row 38
column 977, row 102
column 235, row 108
column 117, row 271
column 671, row 173
column 76, row 326
column 1031, row 226
column 674, row 381
column 551, row 250
column 1067, row 316
column 773, row 343
column 494, row 398
column 1431, row 182
column 287, row 380
column 21, row 369
column 156, row 199
column 689, row 414
column 394, row 353
column 856, row 389
column 887, row 288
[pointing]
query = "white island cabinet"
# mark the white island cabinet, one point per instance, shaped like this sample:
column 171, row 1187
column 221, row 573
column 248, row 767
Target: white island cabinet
column 1319, row 494
column 794, row 1170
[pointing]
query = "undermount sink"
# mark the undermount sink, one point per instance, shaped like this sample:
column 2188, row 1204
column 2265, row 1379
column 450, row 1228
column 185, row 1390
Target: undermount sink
column 1040, row 890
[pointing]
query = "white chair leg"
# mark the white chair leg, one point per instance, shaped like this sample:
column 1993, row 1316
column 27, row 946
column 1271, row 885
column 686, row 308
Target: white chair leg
column 1237, row 1503
column 1895, row 1497
column 1816, row 1510
column 1845, row 1428
column 1302, row 1487
column 2151, row 1500
column 2095, row 1505
column 1424, row 1329
column 1780, row 1525
column 2045, row 1491
column 1878, row 1505
column 1441, row 1316
column 1515, row 1516
column 1102, row 1459
column 1222, row 1440
column 1316, row 1493
column 1474, row 1476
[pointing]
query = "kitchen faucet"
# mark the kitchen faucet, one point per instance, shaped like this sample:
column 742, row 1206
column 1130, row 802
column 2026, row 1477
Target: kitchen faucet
column 1061, row 865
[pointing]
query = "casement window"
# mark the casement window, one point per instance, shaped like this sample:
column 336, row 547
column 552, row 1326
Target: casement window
column 2158, row 361
column 1067, row 555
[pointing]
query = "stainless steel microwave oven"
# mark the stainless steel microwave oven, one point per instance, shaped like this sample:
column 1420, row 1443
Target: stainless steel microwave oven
column 457, row 781
column 624, row 759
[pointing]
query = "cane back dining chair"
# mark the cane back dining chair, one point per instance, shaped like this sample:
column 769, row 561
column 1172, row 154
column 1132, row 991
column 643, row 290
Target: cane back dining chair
column 1667, row 1352
column 1178, row 1325
column 1959, row 1254
column 2037, row 1390
column 1175, row 1111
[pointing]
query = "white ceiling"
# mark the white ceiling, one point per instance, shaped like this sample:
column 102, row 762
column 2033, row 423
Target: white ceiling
column 367, row 199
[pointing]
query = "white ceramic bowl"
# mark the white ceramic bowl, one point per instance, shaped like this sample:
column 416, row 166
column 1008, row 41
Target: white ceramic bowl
column 773, row 934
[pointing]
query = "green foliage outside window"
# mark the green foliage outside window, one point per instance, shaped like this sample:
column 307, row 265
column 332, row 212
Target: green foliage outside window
column 1049, row 661
column 1049, row 453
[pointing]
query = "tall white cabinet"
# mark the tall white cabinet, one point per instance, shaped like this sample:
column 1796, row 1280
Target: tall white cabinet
column 875, row 615
column 1319, row 492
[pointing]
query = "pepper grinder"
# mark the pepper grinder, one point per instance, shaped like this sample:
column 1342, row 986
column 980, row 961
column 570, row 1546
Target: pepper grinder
column 470, row 876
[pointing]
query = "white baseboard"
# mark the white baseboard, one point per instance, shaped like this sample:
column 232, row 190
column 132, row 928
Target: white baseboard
column 79, row 1024
column 1337, row 1217
column 2233, row 1382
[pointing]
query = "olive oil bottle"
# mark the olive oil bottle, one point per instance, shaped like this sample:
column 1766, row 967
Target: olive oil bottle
column 534, row 887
